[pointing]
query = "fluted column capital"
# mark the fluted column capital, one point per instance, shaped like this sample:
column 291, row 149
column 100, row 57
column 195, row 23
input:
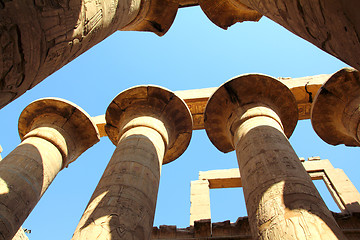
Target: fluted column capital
column 62, row 123
column 335, row 114
column 154, row 107
column 233, row 100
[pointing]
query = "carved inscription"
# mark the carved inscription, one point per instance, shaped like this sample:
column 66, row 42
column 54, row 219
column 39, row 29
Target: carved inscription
column 12, row 61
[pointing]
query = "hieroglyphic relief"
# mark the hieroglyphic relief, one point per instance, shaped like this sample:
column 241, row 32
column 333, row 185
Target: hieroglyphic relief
column 304, row 110
column 197, row 109
column 51, row 34
column 12, row 62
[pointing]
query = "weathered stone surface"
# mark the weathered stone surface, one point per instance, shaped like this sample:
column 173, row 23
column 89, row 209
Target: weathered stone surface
column 228, row 12
column 49, row 34
column 331, row 25
column 336, row 107
column 54, row 133
column 344, row 193
column 150, row 126
column 349, row 224
column 199, row 200
column 20, row 235
column 253, row 114
column 303, row 89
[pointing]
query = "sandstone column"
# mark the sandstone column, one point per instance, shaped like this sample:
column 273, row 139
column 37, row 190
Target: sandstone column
column 335, row 113
column 150, row 126
column 49, row 34
column 254, row 114
column 54, row 132
column 331, row 25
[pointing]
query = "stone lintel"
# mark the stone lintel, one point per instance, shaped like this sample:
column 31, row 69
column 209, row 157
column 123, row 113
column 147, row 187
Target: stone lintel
column 196, row 99
column 227, row 178
column 344, row 193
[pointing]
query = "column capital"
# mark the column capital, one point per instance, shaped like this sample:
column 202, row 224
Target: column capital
column 335, row 112
column 155, row 102
column 154, row 16
column 225, row 13
column 240, row 92
column 60, row 122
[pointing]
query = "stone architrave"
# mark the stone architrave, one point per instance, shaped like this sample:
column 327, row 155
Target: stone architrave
column 150, row 126
column 335, row 114
column 49, row 34
column 331, row 25
column 54, row 132
column 254, row 114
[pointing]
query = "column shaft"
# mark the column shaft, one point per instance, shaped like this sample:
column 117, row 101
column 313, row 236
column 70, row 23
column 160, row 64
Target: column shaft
column 333, row 26
column 25, row 173
column 50, row 34
column 282, row 202
column 54, row 132
column 123, row 204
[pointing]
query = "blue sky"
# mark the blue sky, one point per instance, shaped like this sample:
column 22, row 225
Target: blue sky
column 193, row 54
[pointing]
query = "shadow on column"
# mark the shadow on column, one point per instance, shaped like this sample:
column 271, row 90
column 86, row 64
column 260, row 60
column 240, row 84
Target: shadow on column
column 20, row 188
column 302, row 203
column 116, row 196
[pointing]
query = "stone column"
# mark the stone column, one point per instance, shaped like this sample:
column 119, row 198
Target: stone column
column 254, row 114
column 331, row 25
column 335, row 114
column 150, row 126
column 49, row 34
column 54, row 132
column 199, row 201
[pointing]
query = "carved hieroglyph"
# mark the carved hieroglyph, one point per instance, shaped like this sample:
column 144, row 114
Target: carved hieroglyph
column 39, row 37
column 255, row 114
column 150, row 126
column 54, row 133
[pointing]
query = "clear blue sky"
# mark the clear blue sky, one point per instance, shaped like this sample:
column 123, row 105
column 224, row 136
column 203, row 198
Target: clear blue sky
column 193, row 54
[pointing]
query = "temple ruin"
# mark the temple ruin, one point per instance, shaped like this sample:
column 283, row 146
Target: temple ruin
column 251, row 114
column 152, row 126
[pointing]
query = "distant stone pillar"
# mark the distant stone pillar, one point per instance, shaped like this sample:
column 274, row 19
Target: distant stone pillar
column 254, row 114
column 199, row 201
column 49, row 34
column 331, row 25
column 150, row 126
column 335, row 113
column 54, row 132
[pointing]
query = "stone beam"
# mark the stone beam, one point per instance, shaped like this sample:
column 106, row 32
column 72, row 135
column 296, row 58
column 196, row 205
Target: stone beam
column 196, row 99
column 344, row 193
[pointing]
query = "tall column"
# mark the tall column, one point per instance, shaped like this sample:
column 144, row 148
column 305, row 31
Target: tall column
column 150, row 126
column 54, row 132
column 335, row 114
column 49, row 34
column 331, row 25
column 254, row 114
